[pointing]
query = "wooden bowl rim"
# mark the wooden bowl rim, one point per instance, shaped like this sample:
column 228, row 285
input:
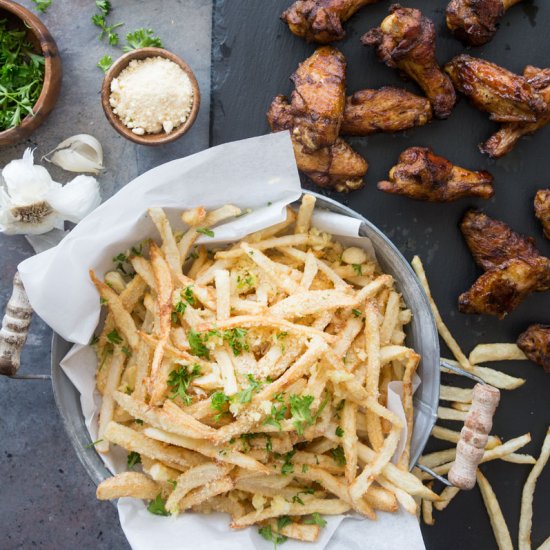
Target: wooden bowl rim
column 52, row 70
column 148, row 139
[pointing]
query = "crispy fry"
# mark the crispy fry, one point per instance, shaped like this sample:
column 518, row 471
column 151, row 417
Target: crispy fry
column 305, row 212
column 446, row 496
column 493, row 377
column 127, row 484
column 484, row 353
column 526, row 515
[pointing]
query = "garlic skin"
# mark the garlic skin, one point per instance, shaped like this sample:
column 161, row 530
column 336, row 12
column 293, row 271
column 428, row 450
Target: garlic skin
column 80, row 153
column 32, row 203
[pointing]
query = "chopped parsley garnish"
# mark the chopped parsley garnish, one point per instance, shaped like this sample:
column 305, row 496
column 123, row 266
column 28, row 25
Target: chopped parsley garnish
column 102, row 301
column 42, row 5
column 179, row 380
column 235, row 337
column 197, row 345
column 21, row 76
column 205, row 231
column 305, row 468
column 315, row 519
column 188, row 296
column 105, row 63
column 93, row 443
column 126, row 351
column 98, row 19
column 356, row 312
column 339, row 432
column 104, row 6
column 275, row 536
column 245, row 396
column 142, row 38
column 138, row 421
column 157, row 506
column 268, row 444
column 358, row 268
column 296, row 498
column 114, row 337
column 288, row 467
column 338, row 456
column 121, row 257
column 133, row 459
column 246, row 281
column 218, row 402
column 300, row 411
column 277, row 414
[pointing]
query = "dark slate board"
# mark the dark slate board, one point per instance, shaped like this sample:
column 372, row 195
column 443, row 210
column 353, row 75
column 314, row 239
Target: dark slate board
column 253, row 56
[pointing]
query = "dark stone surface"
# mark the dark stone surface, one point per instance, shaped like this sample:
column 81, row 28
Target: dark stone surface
column 253, row 56
column 47, row 499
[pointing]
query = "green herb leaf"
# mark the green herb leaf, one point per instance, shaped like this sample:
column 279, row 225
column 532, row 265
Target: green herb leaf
column 315, row 519
column 277, row 414
column 245, row 396
column 133, row 459
column 105, row 63
column 356, row 312
column 196, row 344
column 288, row 467
column 235, row 337
column 104, row 6
column 42, row 5
column 126, row 351
column 93, row 443
column 205, row 231
column 300, row 411
column 339, row 432
column 157, row 506
column 268, row 534
column 338, row 456
column 142, row 38
column 358, row 268
column 114, row 337
column 218, row 402
column 180, row 379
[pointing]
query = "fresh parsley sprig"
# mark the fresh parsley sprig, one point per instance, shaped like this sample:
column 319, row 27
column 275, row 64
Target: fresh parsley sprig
column 142, row 38
column 158, row 506
column 300, row 411
column 180, row 379
column 42, row 5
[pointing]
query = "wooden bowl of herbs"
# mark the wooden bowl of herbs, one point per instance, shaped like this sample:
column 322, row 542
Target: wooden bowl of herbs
column 30, row 72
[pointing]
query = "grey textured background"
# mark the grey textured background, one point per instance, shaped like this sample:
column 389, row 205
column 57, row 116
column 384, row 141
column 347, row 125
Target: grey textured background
column 47, row 499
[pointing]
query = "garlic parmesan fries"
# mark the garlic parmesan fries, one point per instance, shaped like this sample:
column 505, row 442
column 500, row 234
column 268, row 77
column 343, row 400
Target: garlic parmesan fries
column 252, row 379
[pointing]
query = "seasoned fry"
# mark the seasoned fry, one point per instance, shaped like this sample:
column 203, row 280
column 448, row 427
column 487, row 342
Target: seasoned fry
column 441, row 327
column 500, row 529
column 127, row 484
column 450, row 393
column 446, row 496
column 252, row 378
column 452, row 436
column 493, row 377
column 526, row 514
column 484, row 353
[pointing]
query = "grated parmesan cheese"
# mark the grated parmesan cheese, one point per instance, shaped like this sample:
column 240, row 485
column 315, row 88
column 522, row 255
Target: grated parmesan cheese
column 152, row 95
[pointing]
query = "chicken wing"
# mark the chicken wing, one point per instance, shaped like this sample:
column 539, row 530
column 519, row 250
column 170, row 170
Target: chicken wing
column 321, row 20
column 535, row 343
column 423, row 175
column 384, row 110
column 492, row 242
column 506, row 96
column 338, row 166
column 503, row 141
column 405, row 40
column 500, row 290
column 476, row 21
column 542, row 210
column 319, row 98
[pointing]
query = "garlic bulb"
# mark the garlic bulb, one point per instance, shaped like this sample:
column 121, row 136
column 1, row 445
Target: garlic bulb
column 80, row 153
column 32, row 203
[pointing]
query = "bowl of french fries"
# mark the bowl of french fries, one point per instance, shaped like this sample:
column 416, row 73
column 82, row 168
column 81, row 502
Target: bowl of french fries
column 253, row 378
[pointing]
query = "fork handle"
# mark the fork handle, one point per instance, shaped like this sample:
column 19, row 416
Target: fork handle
column 15, row 328
column 473, row 436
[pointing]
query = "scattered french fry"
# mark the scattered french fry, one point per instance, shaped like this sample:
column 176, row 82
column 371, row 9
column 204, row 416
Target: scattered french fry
column 484, row 353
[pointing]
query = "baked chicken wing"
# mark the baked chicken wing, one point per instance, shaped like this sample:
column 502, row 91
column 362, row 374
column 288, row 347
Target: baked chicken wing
column 506, row 96
column 321, row 20
column 504, row 140
column 500, row 290
column 405, row 40
column 493, row 242
column 542, row 210
column 319, row 98
column 337, row 166
column 535, row 343
column 476, row 21
column 423, row 175
column 384, row 110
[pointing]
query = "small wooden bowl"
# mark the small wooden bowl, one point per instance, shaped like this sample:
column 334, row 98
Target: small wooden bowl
column 44, row 44
column 148, row 139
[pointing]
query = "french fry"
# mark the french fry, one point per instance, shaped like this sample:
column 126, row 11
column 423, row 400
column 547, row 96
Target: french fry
column 299, row 531
column 349, row 439
column 223, row 299
column 446, row 496
column 493, row 377
column 500, row 529
column 221, row 214
column 441, row 327
column 108, row 403
column 127, row 484
column 483, row 353
column 445, row 413
column 453, row 436
column 526, row 514
column 452, row 393
column 169, row 245
column 202, row 494
column 305, row 212
column 427, row 516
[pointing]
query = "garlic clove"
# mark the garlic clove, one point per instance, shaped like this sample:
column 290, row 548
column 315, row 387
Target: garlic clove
column 35, row 218
column 79, row 153
column 76, row 199
column 25, row 182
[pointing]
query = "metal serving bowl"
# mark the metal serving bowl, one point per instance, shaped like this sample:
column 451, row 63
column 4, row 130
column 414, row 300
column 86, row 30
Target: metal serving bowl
column 422, row 336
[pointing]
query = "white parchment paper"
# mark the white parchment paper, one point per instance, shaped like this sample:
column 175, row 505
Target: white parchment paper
column 258, row 173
